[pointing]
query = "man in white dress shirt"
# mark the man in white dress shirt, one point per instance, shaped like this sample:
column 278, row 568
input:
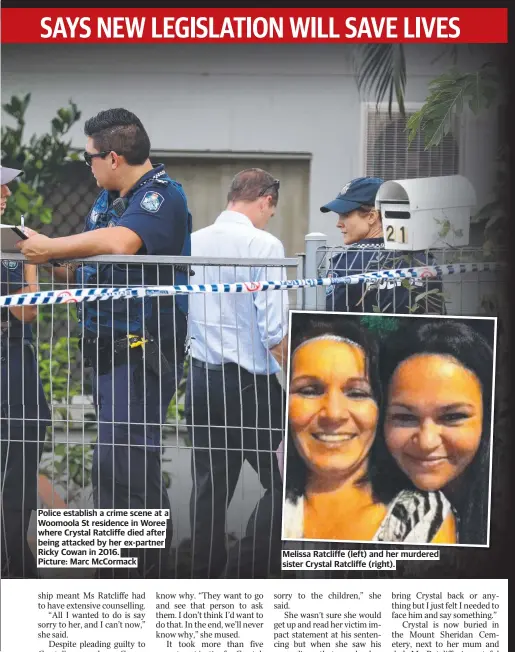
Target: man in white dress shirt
column 235, row 405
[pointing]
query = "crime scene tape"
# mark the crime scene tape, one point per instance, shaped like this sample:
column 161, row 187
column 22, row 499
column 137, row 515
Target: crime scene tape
column 104, row 293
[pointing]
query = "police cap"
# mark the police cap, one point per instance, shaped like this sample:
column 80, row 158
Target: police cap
column 8, row 174
column 356, row 193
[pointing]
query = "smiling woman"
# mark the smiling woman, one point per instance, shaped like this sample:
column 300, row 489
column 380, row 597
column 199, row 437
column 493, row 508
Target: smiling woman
column 334, row 403
column 332, row 408
column 438, row 376
column 433, row 429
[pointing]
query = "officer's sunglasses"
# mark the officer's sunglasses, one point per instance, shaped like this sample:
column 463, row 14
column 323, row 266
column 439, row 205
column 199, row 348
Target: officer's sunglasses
column 276, row 183
column 89, row 157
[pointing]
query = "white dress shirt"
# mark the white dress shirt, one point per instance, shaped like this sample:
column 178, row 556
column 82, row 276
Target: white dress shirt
column 238, row 328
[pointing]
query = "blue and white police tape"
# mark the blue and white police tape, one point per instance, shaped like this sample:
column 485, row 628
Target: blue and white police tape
column 104, row 293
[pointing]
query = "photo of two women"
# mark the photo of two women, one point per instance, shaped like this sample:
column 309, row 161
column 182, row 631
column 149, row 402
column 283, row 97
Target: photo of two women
column 389, row 429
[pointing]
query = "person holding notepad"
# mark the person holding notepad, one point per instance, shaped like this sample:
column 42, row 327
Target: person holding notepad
column 24, row 416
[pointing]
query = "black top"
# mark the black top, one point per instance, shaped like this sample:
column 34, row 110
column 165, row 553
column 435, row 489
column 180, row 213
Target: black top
column 385, row 295
column 11, row 280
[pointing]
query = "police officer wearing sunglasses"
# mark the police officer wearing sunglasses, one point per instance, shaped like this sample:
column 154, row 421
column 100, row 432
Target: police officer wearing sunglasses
column 135, row 347
column 25, row 413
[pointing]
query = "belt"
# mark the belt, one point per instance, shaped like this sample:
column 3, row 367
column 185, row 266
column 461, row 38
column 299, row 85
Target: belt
column 208, row 365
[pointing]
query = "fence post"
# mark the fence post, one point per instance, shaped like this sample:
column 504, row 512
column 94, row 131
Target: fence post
column 301, row 266
column 314, row 297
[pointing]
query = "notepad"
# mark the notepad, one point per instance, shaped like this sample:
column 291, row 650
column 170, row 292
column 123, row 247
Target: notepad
column 9, row 236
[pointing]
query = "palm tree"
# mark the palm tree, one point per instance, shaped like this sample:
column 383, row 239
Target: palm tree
column 381, row 71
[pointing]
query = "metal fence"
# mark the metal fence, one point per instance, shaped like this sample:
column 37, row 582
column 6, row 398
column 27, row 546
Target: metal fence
column 213, row 413
column 74, row 387
column 451, row 293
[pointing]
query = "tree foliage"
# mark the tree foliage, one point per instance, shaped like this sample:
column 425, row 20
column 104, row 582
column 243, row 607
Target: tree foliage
column 42, row 159
column 448, row 95
column 381, row 69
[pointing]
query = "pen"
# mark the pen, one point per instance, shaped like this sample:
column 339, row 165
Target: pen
column 23, row 222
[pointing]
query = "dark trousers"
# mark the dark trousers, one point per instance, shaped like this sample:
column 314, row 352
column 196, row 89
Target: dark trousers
column 24, row 417
column 20, row 457
column 17, row 558
column 233, row 416
column 258, row 553
column 127, row 473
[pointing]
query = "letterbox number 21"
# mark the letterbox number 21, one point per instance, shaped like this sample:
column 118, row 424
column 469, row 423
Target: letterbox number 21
column 396, row 235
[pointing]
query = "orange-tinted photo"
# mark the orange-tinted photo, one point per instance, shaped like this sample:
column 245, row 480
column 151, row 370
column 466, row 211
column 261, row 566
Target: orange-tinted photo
column 389, row 429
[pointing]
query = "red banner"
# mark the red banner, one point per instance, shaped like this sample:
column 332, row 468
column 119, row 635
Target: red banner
column 213, row 25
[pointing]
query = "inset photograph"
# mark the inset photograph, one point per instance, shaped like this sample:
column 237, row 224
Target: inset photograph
column 389, row 429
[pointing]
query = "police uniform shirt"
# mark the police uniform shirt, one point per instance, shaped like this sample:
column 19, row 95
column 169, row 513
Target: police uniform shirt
column 385, row 295
column 238, row 328
column 157, row 211
column 11, row 280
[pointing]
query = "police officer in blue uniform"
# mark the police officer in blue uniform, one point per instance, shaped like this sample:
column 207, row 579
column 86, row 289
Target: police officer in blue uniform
column 135, row 347
column 364, row 251
column 25, row 413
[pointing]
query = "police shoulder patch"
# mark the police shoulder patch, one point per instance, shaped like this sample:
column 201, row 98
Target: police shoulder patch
column 152, row 201
column 10, row 264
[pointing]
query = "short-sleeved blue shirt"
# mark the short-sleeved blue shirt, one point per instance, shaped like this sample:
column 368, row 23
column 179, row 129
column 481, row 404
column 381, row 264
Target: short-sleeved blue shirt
column 156, row 210
column 11, row 280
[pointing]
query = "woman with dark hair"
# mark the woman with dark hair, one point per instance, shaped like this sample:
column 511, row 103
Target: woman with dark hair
column 334, row 403
column 437, row 375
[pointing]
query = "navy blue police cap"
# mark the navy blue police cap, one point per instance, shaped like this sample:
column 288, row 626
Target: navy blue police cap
column 356, row 193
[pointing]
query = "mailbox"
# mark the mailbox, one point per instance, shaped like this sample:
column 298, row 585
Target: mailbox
column 426, row 213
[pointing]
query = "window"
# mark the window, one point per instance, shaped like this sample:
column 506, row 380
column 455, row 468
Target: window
column 388, row 155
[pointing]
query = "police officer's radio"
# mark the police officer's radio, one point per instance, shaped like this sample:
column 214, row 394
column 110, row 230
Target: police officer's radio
column 429, row 213
column 120, row 205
